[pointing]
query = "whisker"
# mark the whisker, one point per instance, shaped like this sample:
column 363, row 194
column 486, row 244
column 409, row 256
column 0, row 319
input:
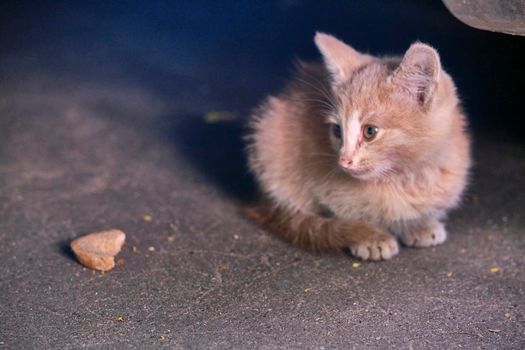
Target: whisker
column 323, row 154
column 322, row 105
column 320, row 89
column 332, row 172
column 321, row 162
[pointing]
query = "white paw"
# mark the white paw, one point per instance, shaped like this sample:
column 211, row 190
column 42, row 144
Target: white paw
column 378, row 247
column 425, row 237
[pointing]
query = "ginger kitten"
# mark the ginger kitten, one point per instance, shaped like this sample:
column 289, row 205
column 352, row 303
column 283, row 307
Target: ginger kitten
column 361, row 150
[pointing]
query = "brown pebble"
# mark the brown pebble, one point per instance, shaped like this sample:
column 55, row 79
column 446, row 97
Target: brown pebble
column 97, row 250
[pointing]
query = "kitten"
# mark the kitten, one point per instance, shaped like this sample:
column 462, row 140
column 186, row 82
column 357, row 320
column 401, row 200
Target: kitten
column 361, row 150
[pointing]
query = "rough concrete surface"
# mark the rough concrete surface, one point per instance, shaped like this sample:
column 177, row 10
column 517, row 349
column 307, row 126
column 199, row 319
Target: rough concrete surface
column 102, row 122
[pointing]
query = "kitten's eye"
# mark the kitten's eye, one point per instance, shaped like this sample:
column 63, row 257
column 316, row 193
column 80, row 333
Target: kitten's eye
column 370, row 132
column 336, row 130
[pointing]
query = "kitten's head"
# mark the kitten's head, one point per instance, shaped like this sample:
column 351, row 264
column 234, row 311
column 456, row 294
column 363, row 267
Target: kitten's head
column 386, row 110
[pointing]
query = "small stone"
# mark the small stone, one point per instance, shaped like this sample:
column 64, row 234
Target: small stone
column 356, row 264
column 495, row 269
column 151, row 249
column 473, row 198
column 97, row 250
column 450, row 273
column 147, row 218
column 236, row 237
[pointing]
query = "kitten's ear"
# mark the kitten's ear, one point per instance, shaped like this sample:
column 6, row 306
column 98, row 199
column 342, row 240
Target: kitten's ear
column 418, row 74
column 339, row 58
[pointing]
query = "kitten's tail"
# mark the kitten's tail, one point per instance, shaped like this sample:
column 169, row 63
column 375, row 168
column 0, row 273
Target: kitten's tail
column 312, row 232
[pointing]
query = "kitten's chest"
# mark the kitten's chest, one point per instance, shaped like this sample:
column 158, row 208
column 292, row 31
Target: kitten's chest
column 380, row 203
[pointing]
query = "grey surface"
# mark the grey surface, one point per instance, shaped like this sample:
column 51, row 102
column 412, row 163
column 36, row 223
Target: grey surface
column 507, row 16
column 95, row 134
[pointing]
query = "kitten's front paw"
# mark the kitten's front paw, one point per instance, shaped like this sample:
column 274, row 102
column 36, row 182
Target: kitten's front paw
column 427, row 236
column 378, row 247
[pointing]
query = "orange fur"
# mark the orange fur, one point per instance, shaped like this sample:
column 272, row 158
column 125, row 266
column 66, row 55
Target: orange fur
column 403, row 181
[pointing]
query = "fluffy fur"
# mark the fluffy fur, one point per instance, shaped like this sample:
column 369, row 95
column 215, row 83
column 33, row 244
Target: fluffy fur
column 328, row 192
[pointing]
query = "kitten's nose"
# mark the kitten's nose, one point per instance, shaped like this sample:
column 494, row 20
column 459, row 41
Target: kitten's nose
column 345, row 162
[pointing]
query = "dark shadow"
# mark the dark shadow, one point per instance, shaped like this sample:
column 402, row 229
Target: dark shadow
column 218, row 151
column 65, row 249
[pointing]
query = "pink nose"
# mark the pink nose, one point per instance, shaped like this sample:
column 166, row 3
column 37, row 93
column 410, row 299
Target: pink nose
column 345, row 162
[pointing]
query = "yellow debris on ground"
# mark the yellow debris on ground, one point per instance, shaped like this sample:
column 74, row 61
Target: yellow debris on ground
column 219, row 116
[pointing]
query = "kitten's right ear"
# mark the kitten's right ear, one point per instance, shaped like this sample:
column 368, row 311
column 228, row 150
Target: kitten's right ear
column 418, row 74
column 340, row 59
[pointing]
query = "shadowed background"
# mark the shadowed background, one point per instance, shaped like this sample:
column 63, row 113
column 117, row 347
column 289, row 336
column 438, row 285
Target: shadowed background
column 105, row 117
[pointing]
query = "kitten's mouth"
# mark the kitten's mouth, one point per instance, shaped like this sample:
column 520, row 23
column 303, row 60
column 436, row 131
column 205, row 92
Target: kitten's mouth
column 359, row 173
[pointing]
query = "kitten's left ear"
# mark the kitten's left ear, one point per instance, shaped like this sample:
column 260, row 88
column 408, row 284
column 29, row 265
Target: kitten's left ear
column 418, row 74
column 340, row 59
